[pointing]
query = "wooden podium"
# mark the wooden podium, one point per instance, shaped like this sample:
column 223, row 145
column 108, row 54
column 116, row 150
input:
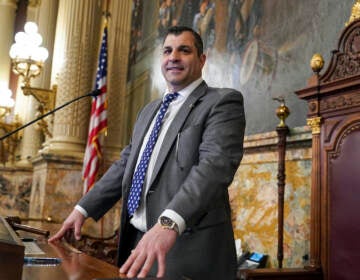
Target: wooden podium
column 11, row 252
column 74, row 264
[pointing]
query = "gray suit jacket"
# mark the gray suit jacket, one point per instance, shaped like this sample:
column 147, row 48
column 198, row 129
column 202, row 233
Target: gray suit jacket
column 199, row 157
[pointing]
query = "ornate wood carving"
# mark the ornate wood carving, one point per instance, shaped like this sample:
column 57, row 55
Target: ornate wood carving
column 335, row 103
column 337, row 150
column 345, row 61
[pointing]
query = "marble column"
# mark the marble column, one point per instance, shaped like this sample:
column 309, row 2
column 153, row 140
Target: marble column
column 44, row 14
column 7, row 20
column 74, row 65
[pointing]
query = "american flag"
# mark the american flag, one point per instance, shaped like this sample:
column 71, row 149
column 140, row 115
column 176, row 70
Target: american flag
column 98, row 121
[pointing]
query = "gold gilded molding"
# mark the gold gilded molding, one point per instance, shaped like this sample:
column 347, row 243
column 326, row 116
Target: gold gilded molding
column 355, row 13
column 315, row 124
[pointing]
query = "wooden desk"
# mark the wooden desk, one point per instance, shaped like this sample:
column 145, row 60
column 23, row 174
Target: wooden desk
column 75, row 265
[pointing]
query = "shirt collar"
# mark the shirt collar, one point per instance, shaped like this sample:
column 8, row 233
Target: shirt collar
column 185, row 92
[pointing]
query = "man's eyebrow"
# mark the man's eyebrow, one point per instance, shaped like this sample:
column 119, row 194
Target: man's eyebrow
column 184, row 47
column 181, row 48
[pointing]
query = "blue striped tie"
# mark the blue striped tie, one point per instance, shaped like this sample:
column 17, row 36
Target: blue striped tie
column 140, row 172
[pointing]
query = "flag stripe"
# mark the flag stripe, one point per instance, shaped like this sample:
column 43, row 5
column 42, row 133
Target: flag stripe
column 98, row 121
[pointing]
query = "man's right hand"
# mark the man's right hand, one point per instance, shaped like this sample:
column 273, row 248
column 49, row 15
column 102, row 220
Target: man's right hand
column 74, row 221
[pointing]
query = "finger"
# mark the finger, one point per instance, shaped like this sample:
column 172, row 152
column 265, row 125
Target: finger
column 136, row 265
column 125, row 267
column 77, row 232
column 147, row 266
column 161, row 265
column 58, row 235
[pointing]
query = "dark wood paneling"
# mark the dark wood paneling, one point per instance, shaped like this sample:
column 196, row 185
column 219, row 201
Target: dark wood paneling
column 334, row 98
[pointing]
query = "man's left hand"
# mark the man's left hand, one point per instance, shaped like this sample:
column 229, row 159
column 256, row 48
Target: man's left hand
column 153, row 246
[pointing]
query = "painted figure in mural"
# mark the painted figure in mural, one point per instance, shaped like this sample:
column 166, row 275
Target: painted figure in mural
column 176, row 218
column 203, row 22
column 167, row 17
column 244, row 17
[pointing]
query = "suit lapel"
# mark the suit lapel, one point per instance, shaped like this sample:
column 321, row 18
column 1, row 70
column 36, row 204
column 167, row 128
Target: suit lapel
column 176, row 125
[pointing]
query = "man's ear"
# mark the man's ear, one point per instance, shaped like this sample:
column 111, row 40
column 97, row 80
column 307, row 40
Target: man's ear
column 202, row 59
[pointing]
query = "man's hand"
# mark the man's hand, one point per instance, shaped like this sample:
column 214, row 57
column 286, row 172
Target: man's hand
column 153, row 246
column 75, row 220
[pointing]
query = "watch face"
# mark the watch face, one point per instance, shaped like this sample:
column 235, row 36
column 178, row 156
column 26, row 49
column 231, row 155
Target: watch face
column 165, row 221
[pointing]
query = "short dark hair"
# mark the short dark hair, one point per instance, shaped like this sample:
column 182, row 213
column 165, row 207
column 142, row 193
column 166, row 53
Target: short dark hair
column 177, row 30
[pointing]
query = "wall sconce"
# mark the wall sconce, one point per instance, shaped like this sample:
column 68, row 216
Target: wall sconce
column 28, row 59
column 7, row 124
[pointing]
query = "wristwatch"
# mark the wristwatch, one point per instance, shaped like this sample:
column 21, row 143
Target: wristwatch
column 168, row 223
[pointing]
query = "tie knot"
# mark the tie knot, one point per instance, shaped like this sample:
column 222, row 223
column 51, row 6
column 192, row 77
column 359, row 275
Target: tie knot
column 170, row 97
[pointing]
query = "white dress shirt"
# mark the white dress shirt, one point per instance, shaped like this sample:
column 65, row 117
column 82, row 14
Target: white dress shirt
column 138, row 220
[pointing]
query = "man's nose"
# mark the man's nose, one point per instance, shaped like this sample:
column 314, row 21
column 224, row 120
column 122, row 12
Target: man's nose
column 175, row 55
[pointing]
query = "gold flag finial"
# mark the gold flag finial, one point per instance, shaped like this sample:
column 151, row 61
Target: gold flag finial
column 282, row 111
column 355, row 13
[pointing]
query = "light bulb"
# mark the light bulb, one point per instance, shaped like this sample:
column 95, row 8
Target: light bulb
column 21, row 37
column 35, row 39
column 40, row 54
column 14, row 50
column 31, row 27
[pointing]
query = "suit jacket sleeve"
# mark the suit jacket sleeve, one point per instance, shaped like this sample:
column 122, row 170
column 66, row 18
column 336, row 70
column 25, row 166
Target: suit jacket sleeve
column 107, row 191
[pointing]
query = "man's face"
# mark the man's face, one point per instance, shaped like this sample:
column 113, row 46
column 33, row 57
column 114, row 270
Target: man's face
column 181, row 64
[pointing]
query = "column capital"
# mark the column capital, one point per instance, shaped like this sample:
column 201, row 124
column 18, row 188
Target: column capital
column 315, row 124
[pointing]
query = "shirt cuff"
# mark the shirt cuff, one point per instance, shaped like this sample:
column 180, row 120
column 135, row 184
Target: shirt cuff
column 82, row 211
column 176, row 218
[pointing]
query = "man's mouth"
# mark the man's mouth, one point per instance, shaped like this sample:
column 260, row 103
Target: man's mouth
column 174, row 68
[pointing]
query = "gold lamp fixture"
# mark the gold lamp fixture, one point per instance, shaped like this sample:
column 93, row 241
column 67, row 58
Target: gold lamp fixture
column 8, row 123
column 28, row 57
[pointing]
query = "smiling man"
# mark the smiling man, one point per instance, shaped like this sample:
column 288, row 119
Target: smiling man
column 173, row 176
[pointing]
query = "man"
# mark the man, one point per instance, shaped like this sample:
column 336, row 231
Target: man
column 182, row 225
